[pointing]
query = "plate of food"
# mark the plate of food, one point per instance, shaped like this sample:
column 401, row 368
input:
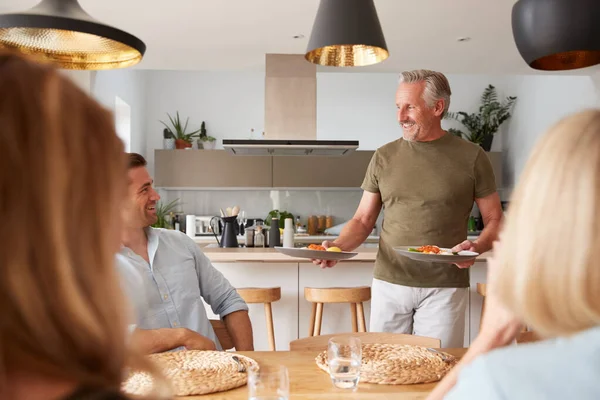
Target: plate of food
column 316, row 252
column 432, row 253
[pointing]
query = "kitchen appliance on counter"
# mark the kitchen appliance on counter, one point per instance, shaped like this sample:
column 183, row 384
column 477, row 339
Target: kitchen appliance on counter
column 229, row 235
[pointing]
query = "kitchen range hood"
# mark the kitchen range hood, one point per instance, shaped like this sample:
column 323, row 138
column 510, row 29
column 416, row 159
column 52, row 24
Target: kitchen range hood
column 290, row 124
column 290, row 147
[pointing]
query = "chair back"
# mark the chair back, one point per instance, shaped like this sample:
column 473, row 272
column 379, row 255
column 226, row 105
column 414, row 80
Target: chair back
column 319, row 343
column 222, row 334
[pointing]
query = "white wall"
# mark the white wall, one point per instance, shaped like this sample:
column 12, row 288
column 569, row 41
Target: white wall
column 231, row 103
column 349, row 106
column 129, row 85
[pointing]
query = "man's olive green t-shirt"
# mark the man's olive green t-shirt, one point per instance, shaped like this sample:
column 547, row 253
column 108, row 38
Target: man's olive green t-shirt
column 427, row 190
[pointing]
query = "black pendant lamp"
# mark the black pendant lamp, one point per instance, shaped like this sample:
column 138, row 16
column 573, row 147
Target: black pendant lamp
column 62, row 33
column 346, row 33
column 554, row 35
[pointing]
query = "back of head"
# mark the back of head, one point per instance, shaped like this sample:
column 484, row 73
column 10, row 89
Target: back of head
column 436, row 86
column 549, row 274
column 62, row 177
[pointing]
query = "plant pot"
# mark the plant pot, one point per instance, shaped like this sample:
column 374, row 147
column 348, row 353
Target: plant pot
column 486, row 143
column 182, row 144
column 209, row 145
column 169, row 144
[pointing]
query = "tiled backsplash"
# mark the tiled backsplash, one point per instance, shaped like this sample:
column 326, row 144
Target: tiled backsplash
column 340, row 204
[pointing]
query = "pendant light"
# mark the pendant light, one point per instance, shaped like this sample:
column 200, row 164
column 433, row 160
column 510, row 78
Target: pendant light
column 62, row 33
column 556, row 35
column 346, row 33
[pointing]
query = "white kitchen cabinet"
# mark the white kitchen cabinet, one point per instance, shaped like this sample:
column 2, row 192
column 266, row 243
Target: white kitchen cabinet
column 336, row 317
column 291, row 314
column 285, row 311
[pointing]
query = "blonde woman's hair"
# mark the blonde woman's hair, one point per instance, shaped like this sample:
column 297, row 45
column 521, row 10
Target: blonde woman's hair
column 62, row 179
column 436, row 86
column 548, row 272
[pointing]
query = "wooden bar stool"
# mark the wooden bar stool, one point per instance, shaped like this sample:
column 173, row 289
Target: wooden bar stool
column 266, row 296
column 356, row 296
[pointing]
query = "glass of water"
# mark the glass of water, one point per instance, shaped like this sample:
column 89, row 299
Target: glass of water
column 268, row 383
column 344, row 356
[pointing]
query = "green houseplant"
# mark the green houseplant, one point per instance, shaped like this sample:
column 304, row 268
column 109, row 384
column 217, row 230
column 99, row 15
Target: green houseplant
column 162, row 211
column 482, row 126
column 204, row 141
column 183, row 138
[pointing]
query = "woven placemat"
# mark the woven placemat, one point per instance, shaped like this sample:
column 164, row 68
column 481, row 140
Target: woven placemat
column 393, row 364
column 193, row 372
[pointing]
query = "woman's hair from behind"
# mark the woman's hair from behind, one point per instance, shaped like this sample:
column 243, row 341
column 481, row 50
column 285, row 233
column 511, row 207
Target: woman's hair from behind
column 548, row 272
column 62, row 179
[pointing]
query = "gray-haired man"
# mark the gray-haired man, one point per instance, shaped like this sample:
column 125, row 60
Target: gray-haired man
column 427, row 182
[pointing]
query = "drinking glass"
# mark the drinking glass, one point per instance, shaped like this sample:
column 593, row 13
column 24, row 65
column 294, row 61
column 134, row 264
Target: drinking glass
column 344, row 356
column 268, row 383
column 242, row 220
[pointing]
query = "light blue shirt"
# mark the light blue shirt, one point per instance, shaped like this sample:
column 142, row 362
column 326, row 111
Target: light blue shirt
column 174, row 283
column 560, row 369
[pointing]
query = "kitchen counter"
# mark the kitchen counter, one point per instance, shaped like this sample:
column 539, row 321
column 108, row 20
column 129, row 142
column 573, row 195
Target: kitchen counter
column 218, row 254
column 297, row 238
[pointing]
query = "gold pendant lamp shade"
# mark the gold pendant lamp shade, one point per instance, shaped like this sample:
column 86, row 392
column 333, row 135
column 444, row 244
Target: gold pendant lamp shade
column 346, row 33
column 62, row 33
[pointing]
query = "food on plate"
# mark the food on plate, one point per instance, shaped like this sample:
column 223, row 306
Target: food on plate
column 431, row 249
column 334, row 249
column 316, row 247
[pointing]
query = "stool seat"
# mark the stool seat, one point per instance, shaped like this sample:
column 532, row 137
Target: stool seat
column 355, row 296
column 254, row 295
column 358, row 294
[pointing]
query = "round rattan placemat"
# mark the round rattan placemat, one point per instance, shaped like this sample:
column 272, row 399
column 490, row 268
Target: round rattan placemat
column 392, row 364
column 193, row 372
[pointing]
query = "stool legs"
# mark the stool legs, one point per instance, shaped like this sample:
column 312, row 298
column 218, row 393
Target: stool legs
column 354, row 317
column 362, row 324
column 313, row 316
column 318, row 319
column 270, row 328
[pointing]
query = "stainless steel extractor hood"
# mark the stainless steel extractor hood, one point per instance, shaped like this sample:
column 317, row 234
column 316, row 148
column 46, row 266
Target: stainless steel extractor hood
column 290, row 114
column 290, row 147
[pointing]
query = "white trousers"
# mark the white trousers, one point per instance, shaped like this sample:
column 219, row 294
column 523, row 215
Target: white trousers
column 433, row 312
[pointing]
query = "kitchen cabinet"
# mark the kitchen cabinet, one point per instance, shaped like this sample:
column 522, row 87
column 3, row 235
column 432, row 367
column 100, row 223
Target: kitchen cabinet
column 219, row 168
column 321, row 171
column 210, row 169
column 291, row 314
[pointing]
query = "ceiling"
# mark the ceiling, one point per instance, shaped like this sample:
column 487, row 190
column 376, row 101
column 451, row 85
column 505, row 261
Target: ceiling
column 236, row 34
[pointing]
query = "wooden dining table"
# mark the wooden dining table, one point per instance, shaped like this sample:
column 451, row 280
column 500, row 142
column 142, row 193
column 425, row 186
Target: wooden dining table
column 307, row 381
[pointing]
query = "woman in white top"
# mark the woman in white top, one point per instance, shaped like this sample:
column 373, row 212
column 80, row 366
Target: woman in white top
column 546, row 274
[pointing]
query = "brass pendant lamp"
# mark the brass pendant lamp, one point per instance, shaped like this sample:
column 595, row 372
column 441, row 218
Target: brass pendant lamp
column 346, row 33
column 555, row 35
column 62, row 33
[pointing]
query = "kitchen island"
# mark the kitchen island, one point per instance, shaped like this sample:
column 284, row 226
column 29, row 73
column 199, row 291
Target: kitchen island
column 266, row 267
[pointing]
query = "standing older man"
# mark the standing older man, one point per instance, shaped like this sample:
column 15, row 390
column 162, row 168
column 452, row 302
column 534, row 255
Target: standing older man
column 427, row 182
column 175, row 276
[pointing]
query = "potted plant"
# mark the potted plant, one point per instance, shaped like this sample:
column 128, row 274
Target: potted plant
column 162, row 210
column 483, row 125
column 183, row 139
column 204, row 141
column 168, row 140
column 208, row 142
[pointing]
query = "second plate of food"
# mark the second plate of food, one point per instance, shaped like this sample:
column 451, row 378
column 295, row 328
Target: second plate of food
column 428, row 254
column 315, row 254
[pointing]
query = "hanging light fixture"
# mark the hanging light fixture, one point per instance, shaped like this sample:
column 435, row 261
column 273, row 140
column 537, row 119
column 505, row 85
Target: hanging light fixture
column 346, row 33
column 62, row 33
column 555, row 35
